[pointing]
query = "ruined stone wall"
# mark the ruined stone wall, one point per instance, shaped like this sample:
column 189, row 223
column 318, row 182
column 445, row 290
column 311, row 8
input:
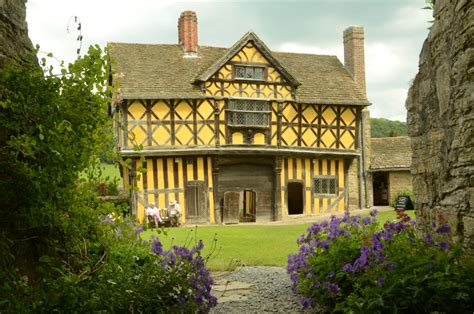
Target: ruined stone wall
column 14, row 41
column 399, row 181
column 441, row 121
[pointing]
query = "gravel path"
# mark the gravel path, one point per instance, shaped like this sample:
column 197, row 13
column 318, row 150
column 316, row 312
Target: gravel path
column 256, row 289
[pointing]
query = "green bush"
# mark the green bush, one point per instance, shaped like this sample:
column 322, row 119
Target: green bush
column 354, row 265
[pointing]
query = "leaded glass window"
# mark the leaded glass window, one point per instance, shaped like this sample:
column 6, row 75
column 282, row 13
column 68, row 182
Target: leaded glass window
column 248, row 113
column 249, row 72
column 324, row 185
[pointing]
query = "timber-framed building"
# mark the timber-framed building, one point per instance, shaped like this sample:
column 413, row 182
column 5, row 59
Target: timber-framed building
column 241, row 134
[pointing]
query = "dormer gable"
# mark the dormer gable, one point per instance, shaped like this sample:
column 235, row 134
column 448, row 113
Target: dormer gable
column 249, row 59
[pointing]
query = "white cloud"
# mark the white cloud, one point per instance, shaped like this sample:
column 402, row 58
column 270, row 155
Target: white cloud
column 389, row 103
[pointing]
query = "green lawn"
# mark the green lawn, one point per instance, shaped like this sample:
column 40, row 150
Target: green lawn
column 109, row 170
column 243, row 244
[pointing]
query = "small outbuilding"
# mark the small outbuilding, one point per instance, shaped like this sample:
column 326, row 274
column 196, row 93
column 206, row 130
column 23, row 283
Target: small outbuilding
column 390, row 168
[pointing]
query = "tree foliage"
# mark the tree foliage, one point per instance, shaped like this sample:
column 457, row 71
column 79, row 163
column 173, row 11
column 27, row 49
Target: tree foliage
column 380, row 127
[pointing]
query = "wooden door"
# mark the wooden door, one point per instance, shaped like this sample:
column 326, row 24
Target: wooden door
column 196, row 202
column 231, row 207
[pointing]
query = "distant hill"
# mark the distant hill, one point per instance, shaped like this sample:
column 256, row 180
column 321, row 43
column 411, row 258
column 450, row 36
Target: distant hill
column 380, row 127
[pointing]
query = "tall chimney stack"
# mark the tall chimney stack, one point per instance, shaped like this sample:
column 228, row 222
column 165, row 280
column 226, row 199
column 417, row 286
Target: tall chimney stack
column 354, row 54
column 188, row 32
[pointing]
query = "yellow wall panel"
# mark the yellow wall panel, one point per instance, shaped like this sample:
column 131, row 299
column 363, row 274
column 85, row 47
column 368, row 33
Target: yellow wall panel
column 283, row 184
column 161, row 135
column 289, row 136
column 137, row 134
column 327, row 139
column 290, row 169
column 149, row 174
column 308, row 202
column 347, row 139
column 329, row 114
column 171, row 174
column 182, row 205
column 200, row 168
column 184, row 135
column 206, row 109
column 205, row 135
column 324, row 169
column 189, row 172
column 259, row 138
column 211, row 193
column 237, row 138
column 140, row 212
column 298, row 168
column 161, row 182
column 136, row 109
column 325, row 205
column 180, row 173
column 348, row 117
column 289, row 113
column 222, row 138
column 183, row 111
column 333, row 168
column 308, row 138
column 161, row 110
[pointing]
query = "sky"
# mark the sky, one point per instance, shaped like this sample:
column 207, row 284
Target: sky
column 394, row 32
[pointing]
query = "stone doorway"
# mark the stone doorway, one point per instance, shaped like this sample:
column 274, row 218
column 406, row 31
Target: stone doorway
column 381, row 188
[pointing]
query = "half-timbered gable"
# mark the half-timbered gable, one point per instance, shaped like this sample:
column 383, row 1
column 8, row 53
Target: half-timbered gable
column 238, row 134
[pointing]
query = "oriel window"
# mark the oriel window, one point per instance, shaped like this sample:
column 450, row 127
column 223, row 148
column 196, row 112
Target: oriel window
column 248, row 113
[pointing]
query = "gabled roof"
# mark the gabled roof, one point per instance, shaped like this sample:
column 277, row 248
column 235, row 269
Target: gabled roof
column 239, row 45
column 162, row 72
column 390, row 153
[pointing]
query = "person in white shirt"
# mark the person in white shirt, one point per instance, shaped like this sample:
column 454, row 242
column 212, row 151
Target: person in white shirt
column 152, row 211
column 174, row 207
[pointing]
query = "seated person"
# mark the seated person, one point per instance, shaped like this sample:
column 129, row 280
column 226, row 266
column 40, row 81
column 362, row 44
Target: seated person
column 152, row 211
column 175, row 209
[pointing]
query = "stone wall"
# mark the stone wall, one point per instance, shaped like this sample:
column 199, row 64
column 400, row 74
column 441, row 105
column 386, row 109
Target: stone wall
column 14, row 41
column 441, row 121
column 399, row 181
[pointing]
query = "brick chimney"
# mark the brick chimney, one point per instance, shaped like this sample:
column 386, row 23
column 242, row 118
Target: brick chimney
column 188, row 32
column 354, row 54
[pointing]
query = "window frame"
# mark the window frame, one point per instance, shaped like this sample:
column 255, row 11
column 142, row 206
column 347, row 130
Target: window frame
column 262, row 66
column 230, row 111
column 328, row 180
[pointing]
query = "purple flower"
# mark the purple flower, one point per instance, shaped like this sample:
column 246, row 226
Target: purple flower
column 331, row 287
column 413, row 222
column 366, row 221
column 444, row 229
column 139, row 230
column 433, row 225
column 306, row 302
column 157, row 247
column 374, row 213
column 429, row 239
column 444, row 245
column 391, row 266
column 379, row 281
column 347, row 268
column 109, row 219
column 331, row 274
column 387, row 236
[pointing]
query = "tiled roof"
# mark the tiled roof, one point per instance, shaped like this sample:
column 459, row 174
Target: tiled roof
column 162, row 71
column 390, row 153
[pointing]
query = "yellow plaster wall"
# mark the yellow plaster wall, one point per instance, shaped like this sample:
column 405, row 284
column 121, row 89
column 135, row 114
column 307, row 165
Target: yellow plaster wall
column 304, row 170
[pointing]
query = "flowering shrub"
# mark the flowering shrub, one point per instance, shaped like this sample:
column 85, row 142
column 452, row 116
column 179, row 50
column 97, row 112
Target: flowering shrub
column 143, row 277
column 354, row 264
column 122, row 273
